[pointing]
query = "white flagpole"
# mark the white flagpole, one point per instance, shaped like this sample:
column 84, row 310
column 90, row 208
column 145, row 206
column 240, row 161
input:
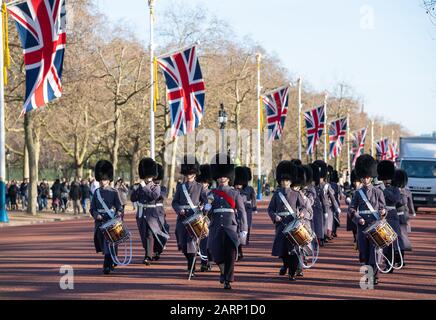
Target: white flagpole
column 299, row 117
column 348, row 147
column 152, row 80
column 325, row 127
column 259, row 160
column 3, row 213
column 372, row 138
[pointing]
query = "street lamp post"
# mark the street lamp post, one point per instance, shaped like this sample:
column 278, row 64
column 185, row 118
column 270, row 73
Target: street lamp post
column 222, row 119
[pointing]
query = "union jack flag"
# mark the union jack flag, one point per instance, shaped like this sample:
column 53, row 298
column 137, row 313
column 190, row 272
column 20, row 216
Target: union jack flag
column 392, row 152
column 382, row 148
column 315, row 122
column 337, row 132
column 41, row 26
column 276, row 104
column 358, row 143
column 185, row 90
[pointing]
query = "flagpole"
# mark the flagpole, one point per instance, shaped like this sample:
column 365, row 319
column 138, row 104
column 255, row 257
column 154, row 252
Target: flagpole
column 3, row 213
column 259, row 160
column 152, row 80
column 348, row 147
column 372, row 138
column 325, row 127
column 299, row 117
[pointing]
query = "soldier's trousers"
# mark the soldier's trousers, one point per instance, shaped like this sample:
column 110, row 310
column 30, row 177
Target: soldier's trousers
column 291, row 262
column 147, row 237
column 227, row 267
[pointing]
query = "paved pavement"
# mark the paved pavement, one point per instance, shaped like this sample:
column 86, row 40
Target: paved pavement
column 31, row 257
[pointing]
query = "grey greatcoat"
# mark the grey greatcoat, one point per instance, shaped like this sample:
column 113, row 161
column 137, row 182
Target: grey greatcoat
column 403, row 211
column 358, row 210
column 111, row 198
column 225, row 221
column 163, row 236
column 282, row 246
column 330, row 205
column 318, row 213
column 249, row 197
column 185, row 242
column 147, row 213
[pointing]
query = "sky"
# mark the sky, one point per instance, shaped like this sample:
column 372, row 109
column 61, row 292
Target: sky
column 385, row 49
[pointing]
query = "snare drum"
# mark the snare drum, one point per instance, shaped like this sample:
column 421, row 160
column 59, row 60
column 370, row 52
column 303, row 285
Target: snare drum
column 297, row 232
column 381, row 234
column 197, row 226
column 115, row 231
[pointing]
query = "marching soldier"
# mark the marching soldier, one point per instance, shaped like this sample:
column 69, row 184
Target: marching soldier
column 286, row 205
column 160, row 241
column 404, row 211
column 351, row 225
column 367, row 206
column 205, row 178
column 188, row 200
column 330, row 206
column 317, row 207
column 146, row 196
column 228, row 225
column 105, row 205
column 242, row 177
column 334, row 183
column 393, row 199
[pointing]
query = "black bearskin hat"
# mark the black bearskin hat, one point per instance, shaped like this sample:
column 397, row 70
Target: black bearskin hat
column 366, row 166
column 400, row 178
column 160, row 172
column 385, row 170
column 322, row 168
column 222, row 166
column 354, row 176
column 241, row 176
column 315, row 173
column 205, row 175
column 334, row 177
column 190, row 165
column 147, row 168
column 329, row 172
column 286, row 171
column 249, row 174
column 296, row 162
column 104, row 170
column 308, row 174
column 300, row 180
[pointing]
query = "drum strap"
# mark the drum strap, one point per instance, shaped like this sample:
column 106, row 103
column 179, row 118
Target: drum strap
column 287, row 205
column 326, row 188
column 368, row 204
column 105, row 207
column 188, row 197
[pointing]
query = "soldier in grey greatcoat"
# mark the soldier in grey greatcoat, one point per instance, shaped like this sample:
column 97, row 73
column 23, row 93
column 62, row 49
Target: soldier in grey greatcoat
column 364, row 216
column 188, row 200
column 281, row 216
column 228, row 219
column 351, row 225
column 145, row 195
column 109, row 197
column 317, row 207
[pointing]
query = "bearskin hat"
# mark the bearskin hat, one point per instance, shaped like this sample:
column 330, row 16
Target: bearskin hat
column 334, row 177
column 205, row 175
column 286, row 171
column 315, row 173
column 400, row 179
column 385, row 170
column 300, row 180
column 249, row 174
column 308, row 174
column 222, row 166
column 366, row 166
column 354, row 176
column 322, row 168
column 190, row 165
column 104, row 170
column 296, row 162
column 241, row 176
column 147, row 168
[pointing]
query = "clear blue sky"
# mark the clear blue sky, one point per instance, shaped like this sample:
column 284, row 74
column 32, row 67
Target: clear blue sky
column 392, row 65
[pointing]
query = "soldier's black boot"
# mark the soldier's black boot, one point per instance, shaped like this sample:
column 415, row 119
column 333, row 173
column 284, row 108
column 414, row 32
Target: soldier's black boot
column 284, row 268
column 227, row 285
column 240, row 254
column 156, row 256
column 147, row 261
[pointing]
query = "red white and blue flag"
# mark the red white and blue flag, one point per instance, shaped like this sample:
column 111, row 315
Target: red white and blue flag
column 392, row 152
column 358, row 147
column 276, row 105
column 41, row 26
column 185, row 90
column 337, row 132
column 382, row 148
column 315, row 123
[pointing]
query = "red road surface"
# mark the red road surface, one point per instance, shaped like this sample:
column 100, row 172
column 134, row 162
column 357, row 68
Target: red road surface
column 31, row 258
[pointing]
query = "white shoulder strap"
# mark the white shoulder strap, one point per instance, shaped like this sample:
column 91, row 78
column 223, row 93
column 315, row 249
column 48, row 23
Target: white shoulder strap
column 105, row 207
column 326, row 188
column 188, row 198
column 368, row 204
column 286, row 203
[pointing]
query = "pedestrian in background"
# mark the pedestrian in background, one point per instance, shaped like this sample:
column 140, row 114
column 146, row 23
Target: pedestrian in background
column 85, row 194
column 75, row 195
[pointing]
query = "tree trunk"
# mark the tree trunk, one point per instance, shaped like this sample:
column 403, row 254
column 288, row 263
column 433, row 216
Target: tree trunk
column 25, row 162
column 134, row 161
column 32, row 148
column 116, row 145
